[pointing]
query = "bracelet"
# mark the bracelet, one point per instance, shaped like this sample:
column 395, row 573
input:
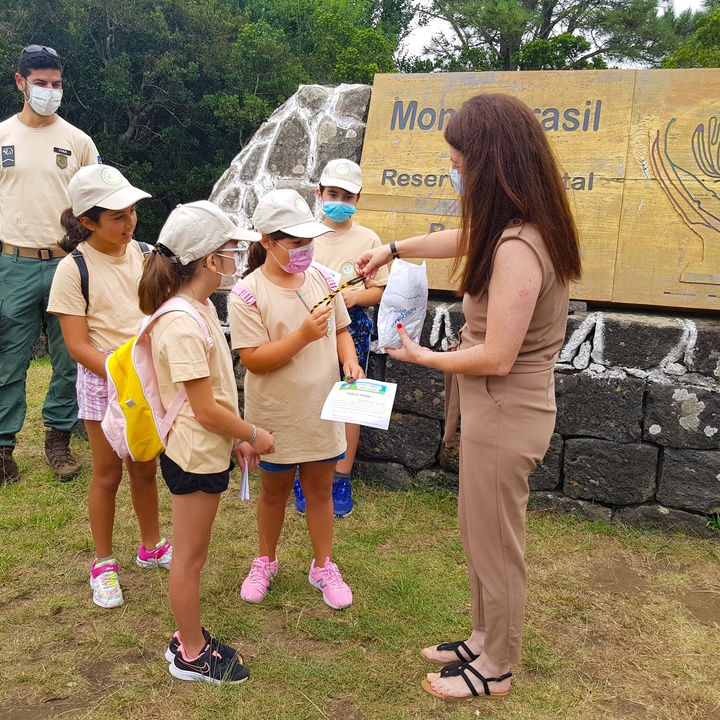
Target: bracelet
column 394, row 251
column 237, row 445
column 254, row 435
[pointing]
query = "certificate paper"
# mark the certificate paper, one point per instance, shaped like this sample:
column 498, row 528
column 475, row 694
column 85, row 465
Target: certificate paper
column 363, row 402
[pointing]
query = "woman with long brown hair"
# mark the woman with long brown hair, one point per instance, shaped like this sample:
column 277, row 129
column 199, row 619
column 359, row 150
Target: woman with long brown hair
column 516, row 253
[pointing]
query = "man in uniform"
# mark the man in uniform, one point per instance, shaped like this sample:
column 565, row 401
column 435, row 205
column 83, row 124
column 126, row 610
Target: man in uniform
column 40, row 153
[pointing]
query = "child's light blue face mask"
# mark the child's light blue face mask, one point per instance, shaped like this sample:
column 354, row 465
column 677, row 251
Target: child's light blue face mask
column 456, row 180
column 339, row 211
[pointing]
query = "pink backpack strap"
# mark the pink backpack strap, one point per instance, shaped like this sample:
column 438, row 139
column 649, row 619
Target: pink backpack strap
column 174, row 304
column 241, row 291
column 328, row 274
column 178, row 304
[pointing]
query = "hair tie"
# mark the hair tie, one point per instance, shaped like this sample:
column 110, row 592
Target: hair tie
column 160, row 249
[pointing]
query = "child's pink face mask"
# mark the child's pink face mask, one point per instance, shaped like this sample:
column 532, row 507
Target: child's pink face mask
column 300, row 258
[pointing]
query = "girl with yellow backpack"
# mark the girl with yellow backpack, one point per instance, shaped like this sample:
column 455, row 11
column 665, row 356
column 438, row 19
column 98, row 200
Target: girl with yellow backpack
column 197, row 247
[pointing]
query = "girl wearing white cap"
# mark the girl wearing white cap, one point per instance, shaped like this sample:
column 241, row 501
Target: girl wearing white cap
column 197, row 247
column 290, row 349
column 97, row 316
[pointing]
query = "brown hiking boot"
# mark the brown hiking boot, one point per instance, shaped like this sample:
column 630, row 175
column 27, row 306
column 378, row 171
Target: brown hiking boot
column 9, row 471
column 57, row 452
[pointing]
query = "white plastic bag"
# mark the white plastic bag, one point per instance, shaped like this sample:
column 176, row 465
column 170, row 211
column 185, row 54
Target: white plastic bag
column 404, row 301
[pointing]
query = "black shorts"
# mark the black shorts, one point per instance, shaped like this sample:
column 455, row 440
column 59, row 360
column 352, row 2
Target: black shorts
column 181, row 482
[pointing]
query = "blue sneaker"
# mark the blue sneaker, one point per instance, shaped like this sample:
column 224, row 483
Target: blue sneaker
column 299, row 497
column 342, row 497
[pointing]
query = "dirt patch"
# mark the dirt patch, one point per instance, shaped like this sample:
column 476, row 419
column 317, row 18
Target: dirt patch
column 704, row 605
column 664, row 564
column 615, row 576
column 345, row 709
column 626, row 709
column 100, row 670
column 67, row 707
column 711, row 713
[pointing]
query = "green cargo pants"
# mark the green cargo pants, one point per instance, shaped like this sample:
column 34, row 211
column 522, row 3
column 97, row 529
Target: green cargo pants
column 24, row 293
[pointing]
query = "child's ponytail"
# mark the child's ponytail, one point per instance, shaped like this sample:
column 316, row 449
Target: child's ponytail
column 162, row 277
column 75, row 231
column 256, row 256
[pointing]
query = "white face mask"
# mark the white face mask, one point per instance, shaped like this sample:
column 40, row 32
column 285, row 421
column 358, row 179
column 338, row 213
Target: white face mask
column 241, row 264
column 44, row 101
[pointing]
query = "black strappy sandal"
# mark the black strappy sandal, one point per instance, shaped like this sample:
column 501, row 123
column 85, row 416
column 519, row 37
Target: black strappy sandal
column 455, row 647
column 462, row 670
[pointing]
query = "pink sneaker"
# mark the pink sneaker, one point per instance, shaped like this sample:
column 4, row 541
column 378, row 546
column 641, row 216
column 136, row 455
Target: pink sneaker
column 160, row 556
column 256, row 584
column 335, row 591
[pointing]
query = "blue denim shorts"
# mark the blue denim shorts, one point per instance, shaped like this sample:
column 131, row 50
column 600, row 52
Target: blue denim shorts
column 284, row 467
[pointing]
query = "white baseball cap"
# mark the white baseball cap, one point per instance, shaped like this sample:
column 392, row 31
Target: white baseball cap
column 344, row 174
column 285, row 210
column 101, row 186
column 200, row 228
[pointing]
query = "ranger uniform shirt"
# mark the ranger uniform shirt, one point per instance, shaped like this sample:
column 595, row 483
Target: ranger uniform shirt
column 37, row 165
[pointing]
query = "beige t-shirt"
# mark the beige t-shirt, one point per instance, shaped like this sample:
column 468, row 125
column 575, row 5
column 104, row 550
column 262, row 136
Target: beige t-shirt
column 37, row 165
column 113, row 315
column 339, row 254
column 288, row 401
column 180, row 353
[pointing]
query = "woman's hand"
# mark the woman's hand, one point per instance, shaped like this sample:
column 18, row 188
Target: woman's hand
column 246, row 455
column 410, row 351
column 264, row 442
column 369, row 262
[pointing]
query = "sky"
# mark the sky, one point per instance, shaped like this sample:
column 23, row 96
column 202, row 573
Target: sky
column 419, row 37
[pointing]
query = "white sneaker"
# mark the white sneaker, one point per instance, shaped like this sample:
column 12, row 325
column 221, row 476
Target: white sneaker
column 105, row 584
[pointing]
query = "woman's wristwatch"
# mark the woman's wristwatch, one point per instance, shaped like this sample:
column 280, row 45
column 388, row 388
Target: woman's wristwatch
column 394, row 251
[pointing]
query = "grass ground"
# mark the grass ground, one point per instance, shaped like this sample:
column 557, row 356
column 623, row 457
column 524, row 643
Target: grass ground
column 620, row 623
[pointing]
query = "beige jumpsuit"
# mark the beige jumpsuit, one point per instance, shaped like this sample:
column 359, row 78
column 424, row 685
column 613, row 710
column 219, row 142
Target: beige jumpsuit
column 506, row 425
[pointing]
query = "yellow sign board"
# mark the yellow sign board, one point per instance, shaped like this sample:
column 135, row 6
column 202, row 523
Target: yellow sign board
column 639, row 151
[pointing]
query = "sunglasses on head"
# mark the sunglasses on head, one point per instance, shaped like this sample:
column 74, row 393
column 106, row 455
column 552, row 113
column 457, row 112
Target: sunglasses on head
column 34, row 49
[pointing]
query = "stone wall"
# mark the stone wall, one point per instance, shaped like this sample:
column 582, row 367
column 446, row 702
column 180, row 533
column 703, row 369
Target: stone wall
column 291, row 149
column 637, row 436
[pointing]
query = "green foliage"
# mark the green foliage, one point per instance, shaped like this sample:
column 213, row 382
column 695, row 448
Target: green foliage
column 170, row 90
column 702, row 50
column 337, row 40
column 540, row 35
column 565, row 51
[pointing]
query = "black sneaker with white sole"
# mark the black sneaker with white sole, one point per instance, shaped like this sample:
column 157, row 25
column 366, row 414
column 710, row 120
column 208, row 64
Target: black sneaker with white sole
column 171, row 652
column 211, row 666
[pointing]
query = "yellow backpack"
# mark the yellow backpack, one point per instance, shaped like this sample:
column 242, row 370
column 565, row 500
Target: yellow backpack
column 136, row 423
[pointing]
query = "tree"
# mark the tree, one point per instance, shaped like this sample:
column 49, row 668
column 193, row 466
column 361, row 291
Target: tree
column 702, row 50
column 547, row 34
column 170, row 90
column 563, row 52
column 338, row 40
